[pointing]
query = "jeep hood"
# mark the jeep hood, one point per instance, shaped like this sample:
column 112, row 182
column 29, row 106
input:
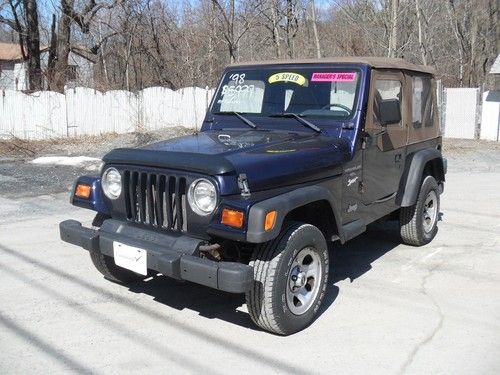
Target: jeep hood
column 268, row 158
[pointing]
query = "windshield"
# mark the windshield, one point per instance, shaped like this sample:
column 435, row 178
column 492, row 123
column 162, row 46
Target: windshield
column 307, row 92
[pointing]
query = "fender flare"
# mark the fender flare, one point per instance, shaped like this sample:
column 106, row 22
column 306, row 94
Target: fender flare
column 410, row 181
column 283, row 204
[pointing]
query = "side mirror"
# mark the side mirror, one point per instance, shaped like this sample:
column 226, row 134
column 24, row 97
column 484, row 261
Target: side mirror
column 390, row 112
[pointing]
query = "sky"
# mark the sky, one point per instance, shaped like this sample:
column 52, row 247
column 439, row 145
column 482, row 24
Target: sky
column 47, row 8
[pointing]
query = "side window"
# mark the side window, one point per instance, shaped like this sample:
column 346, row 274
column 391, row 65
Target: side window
column 422, row 106
column 386, row 89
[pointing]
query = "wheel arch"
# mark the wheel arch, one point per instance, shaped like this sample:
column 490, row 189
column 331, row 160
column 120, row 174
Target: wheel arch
column 291, row 205
column 428, row 161
column 318, row 213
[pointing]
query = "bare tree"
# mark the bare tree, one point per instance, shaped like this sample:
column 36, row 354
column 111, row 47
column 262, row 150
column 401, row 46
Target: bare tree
column 393, row 40
column 315, row 29
column 33, row 45
column 423, row 50
column 141, row 43
column 291, row 27
column 25, row 22
column 227, row 19
column 70, row 16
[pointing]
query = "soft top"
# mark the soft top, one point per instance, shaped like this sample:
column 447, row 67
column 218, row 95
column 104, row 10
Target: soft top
column 375, row 62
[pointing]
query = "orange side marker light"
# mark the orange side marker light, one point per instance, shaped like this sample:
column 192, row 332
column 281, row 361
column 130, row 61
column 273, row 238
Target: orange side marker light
column 233, row 218
column 83, row 191
column 270, row 220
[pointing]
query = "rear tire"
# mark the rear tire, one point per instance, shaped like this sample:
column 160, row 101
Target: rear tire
column 290, row 274
column 106, row 264
column 418, row 223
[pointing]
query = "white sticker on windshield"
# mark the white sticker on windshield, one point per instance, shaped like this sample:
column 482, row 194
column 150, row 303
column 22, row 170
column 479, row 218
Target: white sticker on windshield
column 245, row 98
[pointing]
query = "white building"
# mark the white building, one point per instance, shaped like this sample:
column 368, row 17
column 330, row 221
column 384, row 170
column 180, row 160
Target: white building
column 13, row 70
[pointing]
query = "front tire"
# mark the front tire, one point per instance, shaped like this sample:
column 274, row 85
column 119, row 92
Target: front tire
column 291, row 274
column 106, row 264
column 418, row 223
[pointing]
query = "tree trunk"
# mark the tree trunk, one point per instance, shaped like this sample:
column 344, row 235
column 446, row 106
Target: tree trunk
column 52, row 53
column 423, row 51
column 63, row 46
column 276, row 34
column 232, row 46
column 290, row 18
column 495, row 9
column 315, row 29
column 33, row 45
column 211, row 43
column 103, row 56
column 497, row 27
column 471, row 76
column 459, row 39
column 393, row 41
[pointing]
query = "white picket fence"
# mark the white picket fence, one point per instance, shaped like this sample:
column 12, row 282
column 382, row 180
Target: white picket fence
column 490, row 116
column 460, row 117
column 84, row 111
column 469, row 115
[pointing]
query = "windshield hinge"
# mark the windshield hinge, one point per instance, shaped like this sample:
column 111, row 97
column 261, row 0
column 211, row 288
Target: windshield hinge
column 243, row 185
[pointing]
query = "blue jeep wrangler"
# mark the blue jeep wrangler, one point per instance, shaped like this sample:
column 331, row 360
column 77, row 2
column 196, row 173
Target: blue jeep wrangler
column 291, row 156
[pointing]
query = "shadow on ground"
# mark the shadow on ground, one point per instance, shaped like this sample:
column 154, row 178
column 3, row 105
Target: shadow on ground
column 349, row 261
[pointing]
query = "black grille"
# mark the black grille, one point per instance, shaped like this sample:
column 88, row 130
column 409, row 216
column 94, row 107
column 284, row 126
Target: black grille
column 156, row 199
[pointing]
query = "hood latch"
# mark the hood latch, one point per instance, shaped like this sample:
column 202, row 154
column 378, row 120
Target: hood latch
column 243, row 185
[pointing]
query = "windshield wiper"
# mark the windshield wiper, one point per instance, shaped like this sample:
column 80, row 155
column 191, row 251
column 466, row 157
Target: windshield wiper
column 299, row 118
column 240, row 116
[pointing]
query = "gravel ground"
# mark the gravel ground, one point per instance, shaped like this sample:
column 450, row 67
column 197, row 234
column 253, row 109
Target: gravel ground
column 90, row 146
column 472, row 155
column 389, row 309
column 19, row 177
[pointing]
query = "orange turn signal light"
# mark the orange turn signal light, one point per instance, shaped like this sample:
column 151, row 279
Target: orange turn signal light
column 270, row 220
column 83, row 191
column 233, row 218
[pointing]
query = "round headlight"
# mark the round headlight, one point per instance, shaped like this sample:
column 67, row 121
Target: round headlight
column 111, row 183
column 202, row 197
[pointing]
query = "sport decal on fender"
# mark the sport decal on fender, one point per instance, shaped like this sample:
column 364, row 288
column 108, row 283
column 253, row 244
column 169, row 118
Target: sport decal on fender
column 288, row 77
column 351, row 181
column 352, row 208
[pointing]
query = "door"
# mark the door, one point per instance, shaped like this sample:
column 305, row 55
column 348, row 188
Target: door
column 384, row 145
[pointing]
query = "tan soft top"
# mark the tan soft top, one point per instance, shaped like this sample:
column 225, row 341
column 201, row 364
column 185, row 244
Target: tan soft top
column 375, row 62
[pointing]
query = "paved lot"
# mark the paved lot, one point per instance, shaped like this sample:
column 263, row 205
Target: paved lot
column 390, row 308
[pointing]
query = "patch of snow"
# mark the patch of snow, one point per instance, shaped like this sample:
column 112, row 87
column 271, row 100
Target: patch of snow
column 68, row 160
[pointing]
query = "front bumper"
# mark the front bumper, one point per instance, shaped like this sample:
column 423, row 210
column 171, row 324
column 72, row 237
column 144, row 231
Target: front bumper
column 171, row 254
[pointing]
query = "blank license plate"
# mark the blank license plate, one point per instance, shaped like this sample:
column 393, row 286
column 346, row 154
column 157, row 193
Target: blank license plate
column 131, row 258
